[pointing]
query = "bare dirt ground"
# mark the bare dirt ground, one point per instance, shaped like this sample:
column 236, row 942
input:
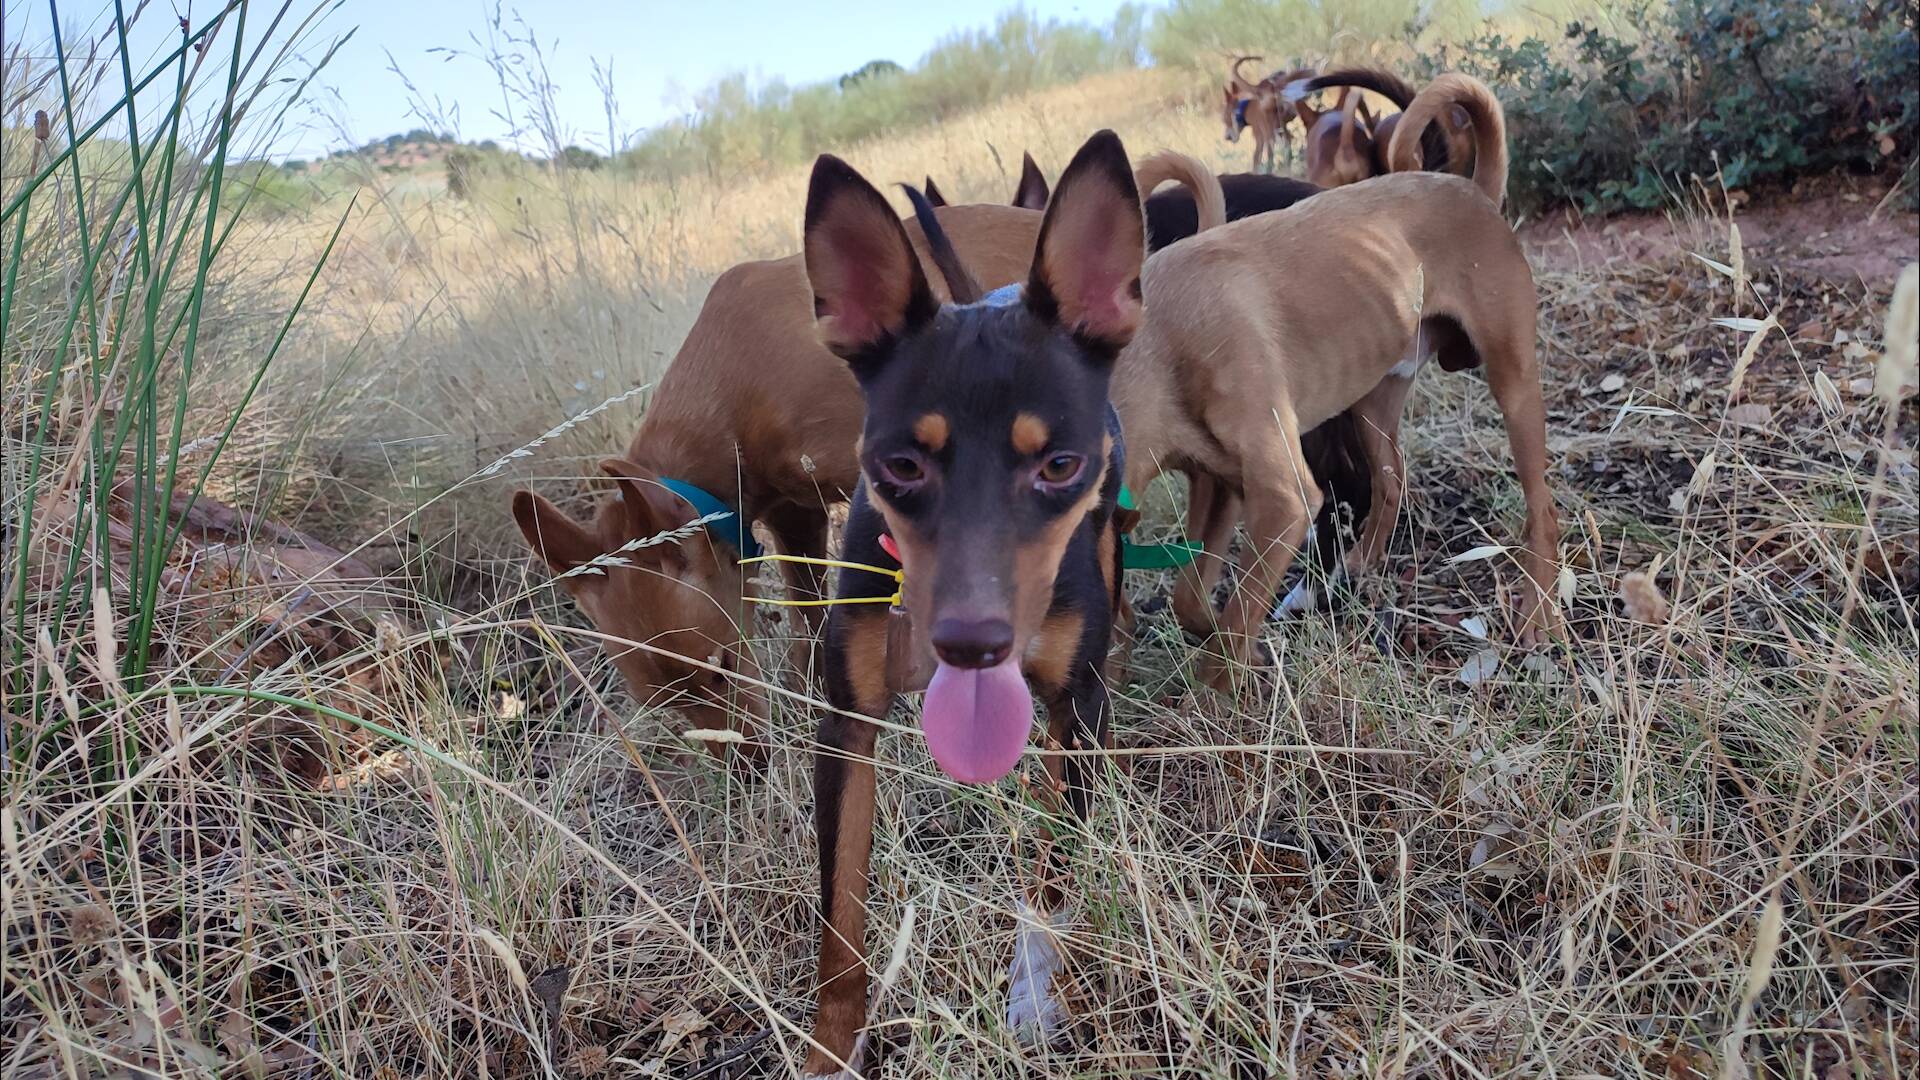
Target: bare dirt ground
column 1835, row 234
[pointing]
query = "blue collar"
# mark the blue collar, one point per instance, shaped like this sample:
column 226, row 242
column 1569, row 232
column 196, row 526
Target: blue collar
column 1004, row 296
column 730, row 528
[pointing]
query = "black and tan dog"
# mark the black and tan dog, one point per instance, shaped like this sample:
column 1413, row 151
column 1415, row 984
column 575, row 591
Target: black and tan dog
column 990, row 464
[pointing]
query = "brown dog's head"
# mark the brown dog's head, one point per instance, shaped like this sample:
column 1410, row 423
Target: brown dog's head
column 1233, row 114
column 676, row 594
column 986, row 442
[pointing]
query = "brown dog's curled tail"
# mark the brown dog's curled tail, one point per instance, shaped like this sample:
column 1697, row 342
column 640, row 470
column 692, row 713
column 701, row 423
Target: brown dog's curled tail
column 1489, row 130
column 1208, row 200
column 1239, row 82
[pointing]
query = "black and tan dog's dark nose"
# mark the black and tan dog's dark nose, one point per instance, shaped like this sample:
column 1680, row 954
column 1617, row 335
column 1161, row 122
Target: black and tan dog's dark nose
column 972, row 643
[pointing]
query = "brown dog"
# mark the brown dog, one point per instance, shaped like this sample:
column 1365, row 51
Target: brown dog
column 1266, row 327
column 1445, row 147
column 1256, row 106
column 756, row 420
column 1339, row 141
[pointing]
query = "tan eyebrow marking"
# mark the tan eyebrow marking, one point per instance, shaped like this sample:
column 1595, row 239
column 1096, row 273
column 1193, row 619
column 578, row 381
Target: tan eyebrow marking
column 1030, row 433
column 932, row 431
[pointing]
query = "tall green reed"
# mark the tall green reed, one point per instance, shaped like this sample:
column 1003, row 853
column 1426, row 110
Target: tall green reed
column 139, row 237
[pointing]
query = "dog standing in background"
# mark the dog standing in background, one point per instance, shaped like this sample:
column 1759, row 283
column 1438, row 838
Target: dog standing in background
column 1341, row 158
column 1246, row 105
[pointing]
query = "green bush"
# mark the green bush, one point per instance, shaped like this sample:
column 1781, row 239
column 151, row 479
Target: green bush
column 738, row 125
column 1748, row 91
column 467, row 165
column 1201, row 35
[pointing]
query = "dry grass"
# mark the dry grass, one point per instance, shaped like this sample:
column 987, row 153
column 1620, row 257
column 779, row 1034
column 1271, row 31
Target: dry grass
column 457, row 331
column 1682, row 846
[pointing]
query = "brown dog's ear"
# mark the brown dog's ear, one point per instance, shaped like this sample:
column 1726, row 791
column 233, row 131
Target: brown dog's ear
column 1086, row 265
column 933, row 194
column 558, row 539
column 649, row 509
column 1032, row 192
column 868, row 288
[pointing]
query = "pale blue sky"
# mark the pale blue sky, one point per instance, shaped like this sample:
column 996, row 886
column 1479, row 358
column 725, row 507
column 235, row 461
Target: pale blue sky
column 660, row 52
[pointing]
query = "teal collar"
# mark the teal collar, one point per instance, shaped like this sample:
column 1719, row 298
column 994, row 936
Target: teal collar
column 730, row 527
column 1153, row 556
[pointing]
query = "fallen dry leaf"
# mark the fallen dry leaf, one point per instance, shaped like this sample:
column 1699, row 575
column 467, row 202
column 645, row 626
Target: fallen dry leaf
column 679, row 1024
column 1495, row 854
column 1482, row 666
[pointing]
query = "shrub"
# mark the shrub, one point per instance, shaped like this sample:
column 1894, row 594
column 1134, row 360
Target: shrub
column 467, row 165
column 1750, row 91
column 870, row 69
column 579, row 157
column 737, row 124
column 1201, row 34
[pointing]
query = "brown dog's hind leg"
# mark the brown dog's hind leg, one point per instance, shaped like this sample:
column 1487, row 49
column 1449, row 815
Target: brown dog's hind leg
column 1513, row 373
column 1212, row 514
column 1377, row 417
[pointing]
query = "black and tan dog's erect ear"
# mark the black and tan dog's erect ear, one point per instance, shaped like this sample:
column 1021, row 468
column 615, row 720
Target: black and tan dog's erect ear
column 558, row 539
column 1032, row 192
column 868, row 288
column 1086, row 265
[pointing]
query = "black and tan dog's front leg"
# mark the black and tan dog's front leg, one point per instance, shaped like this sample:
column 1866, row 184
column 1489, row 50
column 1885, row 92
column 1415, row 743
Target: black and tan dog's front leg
column 843, row 794
column 1077, row 720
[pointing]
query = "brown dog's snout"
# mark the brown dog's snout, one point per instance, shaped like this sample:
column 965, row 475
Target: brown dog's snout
column 964, row 642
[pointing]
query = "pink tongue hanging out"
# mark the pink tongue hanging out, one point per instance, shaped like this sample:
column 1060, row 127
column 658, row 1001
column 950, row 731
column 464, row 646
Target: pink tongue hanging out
column 977, row 721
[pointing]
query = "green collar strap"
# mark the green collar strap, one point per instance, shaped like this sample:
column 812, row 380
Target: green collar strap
column 1153, row 556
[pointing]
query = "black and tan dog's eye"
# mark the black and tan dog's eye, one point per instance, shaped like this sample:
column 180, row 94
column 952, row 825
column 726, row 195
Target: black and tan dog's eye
column 903, row 470
column 1061, row 470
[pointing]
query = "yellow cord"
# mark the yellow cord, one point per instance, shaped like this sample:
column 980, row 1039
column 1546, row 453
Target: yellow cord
column 899, row 577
